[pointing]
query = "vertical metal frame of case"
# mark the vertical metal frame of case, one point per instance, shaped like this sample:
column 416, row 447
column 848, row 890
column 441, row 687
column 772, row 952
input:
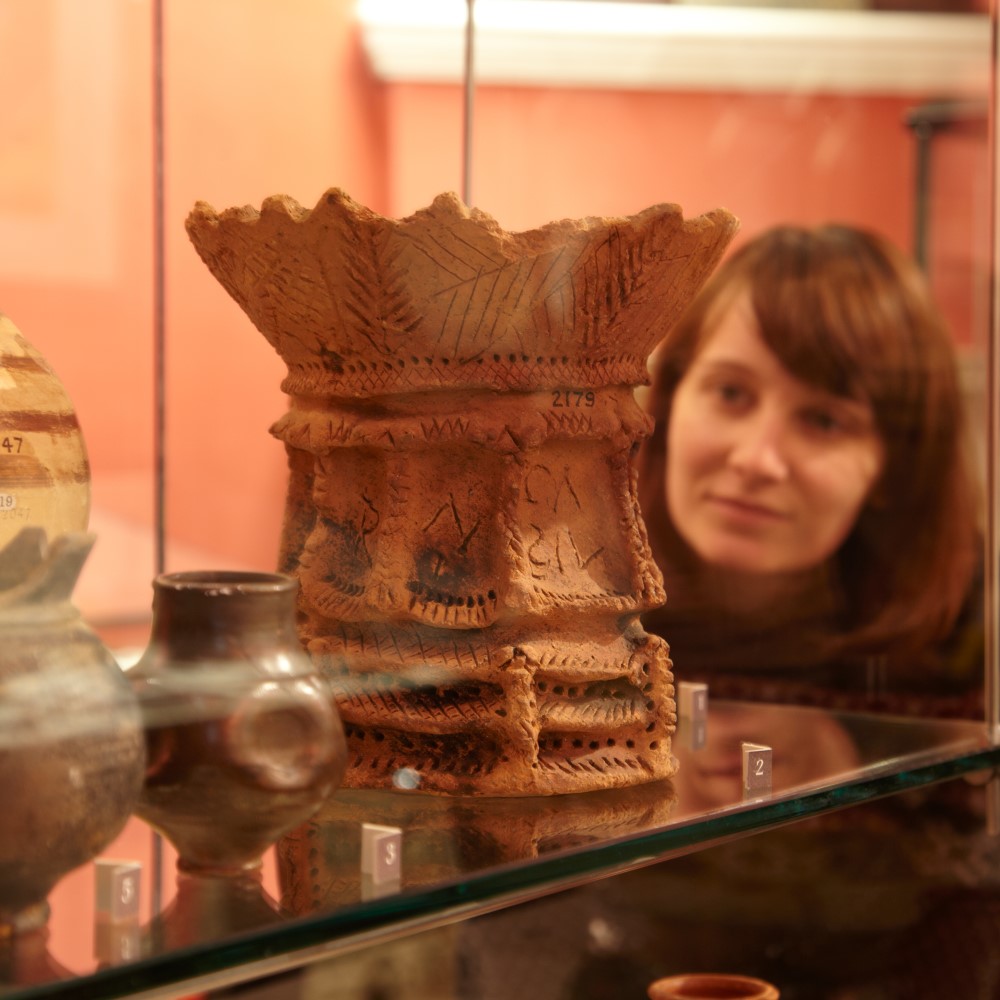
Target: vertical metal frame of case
column 992, row 555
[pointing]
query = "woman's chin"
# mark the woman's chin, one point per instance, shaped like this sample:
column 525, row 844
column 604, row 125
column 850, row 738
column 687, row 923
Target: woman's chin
column 746, row 561
column 747, row 581
column 722, row 559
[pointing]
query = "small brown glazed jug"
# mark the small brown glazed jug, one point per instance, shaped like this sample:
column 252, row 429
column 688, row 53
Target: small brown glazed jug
column 243, row 739
column 711, row 986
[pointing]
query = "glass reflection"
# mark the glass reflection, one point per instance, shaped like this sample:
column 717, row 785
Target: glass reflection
column 462, row 837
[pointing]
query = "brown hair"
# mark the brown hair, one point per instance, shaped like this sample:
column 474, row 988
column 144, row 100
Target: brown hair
column 846, row 311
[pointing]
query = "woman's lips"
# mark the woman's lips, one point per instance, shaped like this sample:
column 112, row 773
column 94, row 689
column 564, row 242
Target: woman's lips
column 738, row 507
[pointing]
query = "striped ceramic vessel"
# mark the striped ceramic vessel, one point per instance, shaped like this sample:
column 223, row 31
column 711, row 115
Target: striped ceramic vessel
column 44, row 472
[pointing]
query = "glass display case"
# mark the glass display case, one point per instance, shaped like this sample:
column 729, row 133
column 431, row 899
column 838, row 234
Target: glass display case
column 121, row 115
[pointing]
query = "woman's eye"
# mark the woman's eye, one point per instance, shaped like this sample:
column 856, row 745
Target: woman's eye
column 822, row 421
column 731, row 394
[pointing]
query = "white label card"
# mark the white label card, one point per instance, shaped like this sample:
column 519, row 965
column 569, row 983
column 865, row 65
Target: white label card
column 756, row 769
column 117, row 889
column 692, row 700
column 381, row 852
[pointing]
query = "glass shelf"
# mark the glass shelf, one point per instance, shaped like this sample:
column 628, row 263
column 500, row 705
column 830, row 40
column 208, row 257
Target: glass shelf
column 463, row 856
column 92, row 109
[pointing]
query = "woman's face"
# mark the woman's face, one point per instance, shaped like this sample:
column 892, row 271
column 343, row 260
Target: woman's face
column 765, row 473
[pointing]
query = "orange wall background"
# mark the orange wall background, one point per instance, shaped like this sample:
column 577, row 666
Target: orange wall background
column 265, row 98
column 76, row 247
column 546, row 154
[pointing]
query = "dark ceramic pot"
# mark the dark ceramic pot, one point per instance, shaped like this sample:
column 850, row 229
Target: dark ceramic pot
column 71, row 743
column 243, row 739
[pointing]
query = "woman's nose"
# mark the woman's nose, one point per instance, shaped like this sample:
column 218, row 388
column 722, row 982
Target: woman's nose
column 760, row 452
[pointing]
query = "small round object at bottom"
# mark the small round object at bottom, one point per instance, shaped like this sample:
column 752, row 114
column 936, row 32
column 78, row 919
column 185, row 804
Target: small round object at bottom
column 711, row 986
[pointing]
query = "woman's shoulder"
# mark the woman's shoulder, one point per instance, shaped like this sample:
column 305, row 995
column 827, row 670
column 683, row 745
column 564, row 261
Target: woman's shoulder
column 943, row 679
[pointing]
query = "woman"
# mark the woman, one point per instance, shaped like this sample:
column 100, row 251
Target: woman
column 806, row 486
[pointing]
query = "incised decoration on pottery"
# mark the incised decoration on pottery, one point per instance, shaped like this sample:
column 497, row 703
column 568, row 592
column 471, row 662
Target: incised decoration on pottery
column 243, row 738
column 44, row 471
column 461, row 509
column 71, row 741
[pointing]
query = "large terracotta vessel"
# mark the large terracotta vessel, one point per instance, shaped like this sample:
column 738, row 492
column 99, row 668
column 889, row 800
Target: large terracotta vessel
column 462, row 510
